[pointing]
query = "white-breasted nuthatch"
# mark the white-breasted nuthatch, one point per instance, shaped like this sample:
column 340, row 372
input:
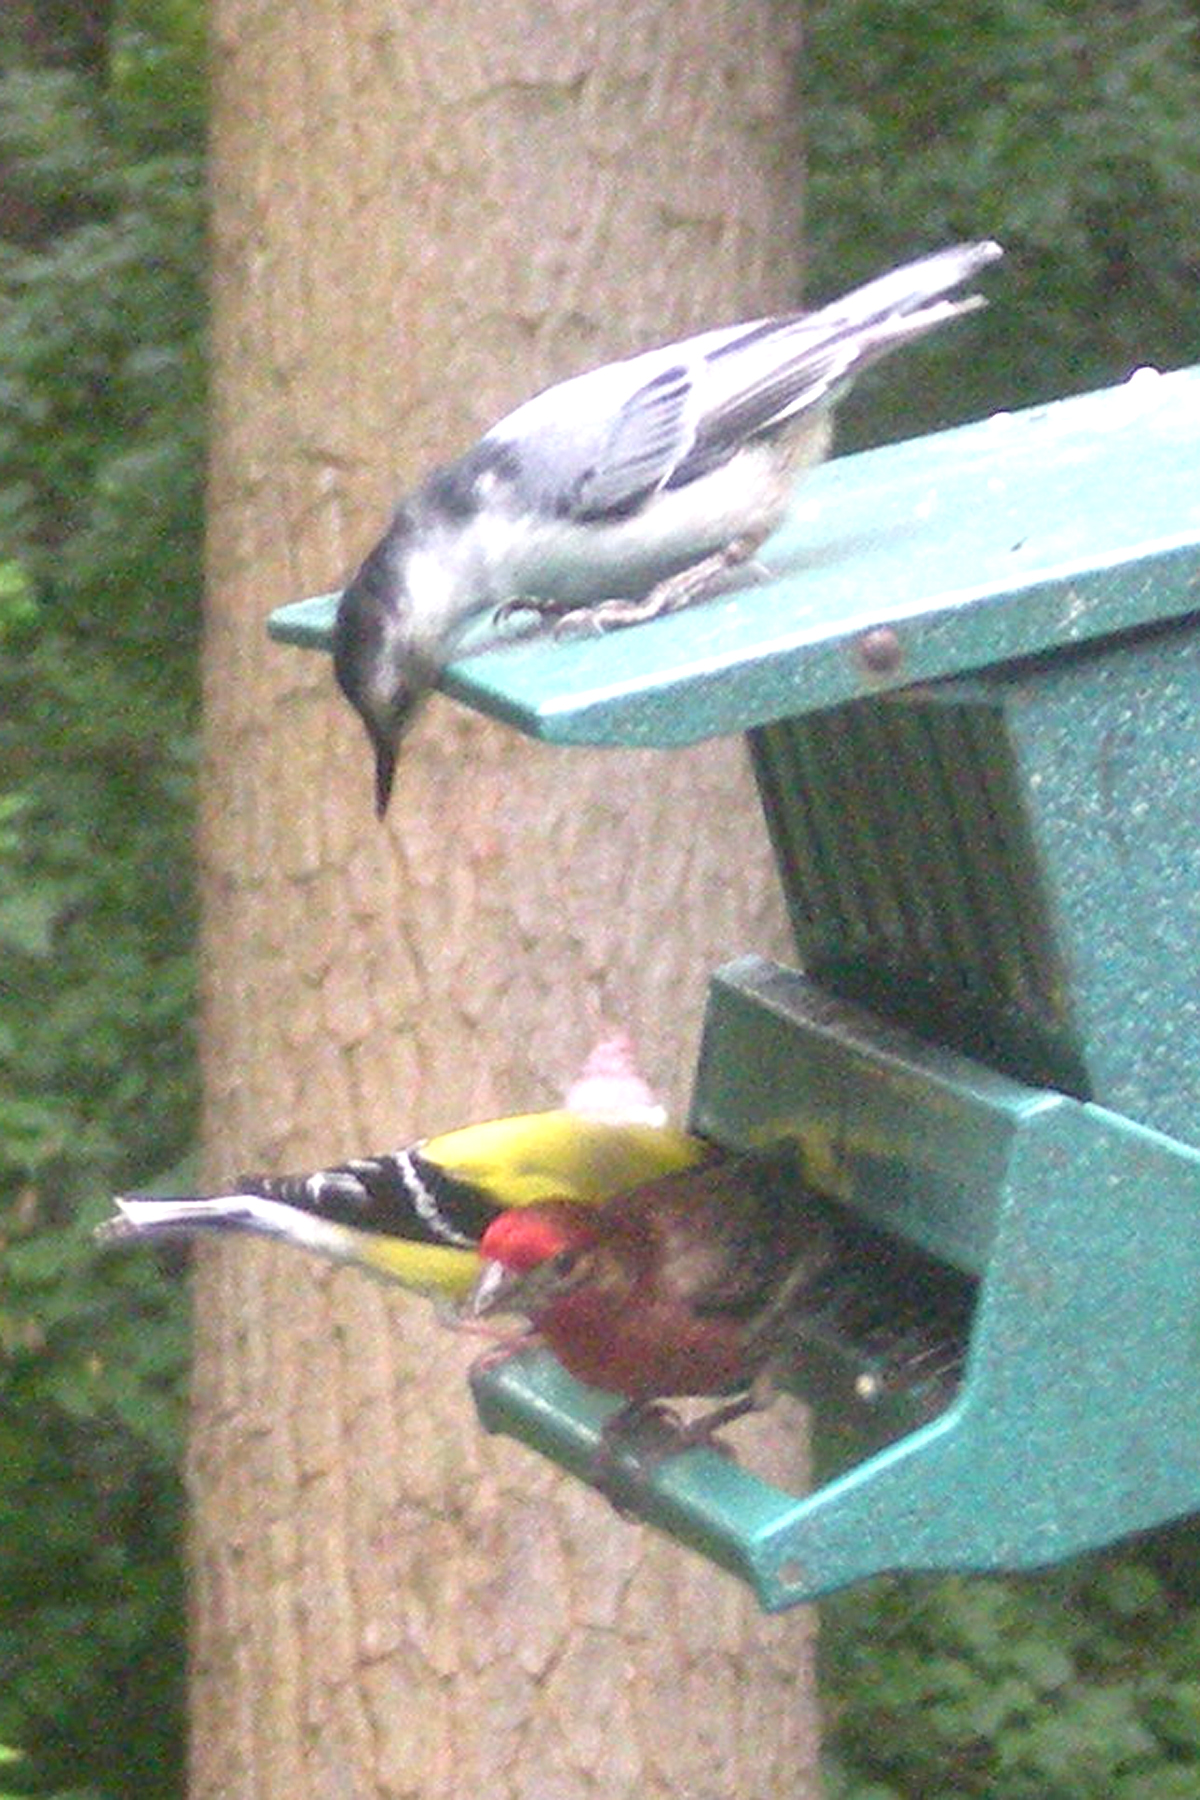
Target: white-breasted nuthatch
column 621, row 493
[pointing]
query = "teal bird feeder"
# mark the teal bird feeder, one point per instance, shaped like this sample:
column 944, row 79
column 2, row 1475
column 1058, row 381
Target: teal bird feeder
column 972, row 696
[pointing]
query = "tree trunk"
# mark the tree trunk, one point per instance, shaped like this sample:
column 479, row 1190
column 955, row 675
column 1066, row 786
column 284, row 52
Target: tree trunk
column 423, row 213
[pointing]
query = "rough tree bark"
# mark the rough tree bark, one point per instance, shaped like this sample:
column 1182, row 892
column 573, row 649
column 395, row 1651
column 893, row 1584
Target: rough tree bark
column 423, row 212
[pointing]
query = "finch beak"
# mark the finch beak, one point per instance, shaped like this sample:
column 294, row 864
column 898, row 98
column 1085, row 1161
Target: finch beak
column 497, row 1290
column 529, row 1292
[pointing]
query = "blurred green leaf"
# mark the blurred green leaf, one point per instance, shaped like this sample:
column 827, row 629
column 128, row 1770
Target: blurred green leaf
column 101, row 426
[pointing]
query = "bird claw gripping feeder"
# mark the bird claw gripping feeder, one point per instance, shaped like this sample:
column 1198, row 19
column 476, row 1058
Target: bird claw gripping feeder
column 971, row 692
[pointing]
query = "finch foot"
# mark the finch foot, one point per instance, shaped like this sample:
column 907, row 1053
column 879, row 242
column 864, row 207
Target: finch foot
column 642, row 1435
column 700, row 1434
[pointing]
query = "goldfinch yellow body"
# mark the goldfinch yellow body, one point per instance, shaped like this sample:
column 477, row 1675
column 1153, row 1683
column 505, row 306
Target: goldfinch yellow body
column 414, row 1216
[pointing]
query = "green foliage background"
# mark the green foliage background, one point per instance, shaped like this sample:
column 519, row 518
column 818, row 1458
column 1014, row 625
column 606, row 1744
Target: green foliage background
column 101, row 233
column 1080, row 1683
column 1069, row 129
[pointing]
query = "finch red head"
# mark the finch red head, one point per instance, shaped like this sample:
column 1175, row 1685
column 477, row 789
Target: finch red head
column 670, row 1289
